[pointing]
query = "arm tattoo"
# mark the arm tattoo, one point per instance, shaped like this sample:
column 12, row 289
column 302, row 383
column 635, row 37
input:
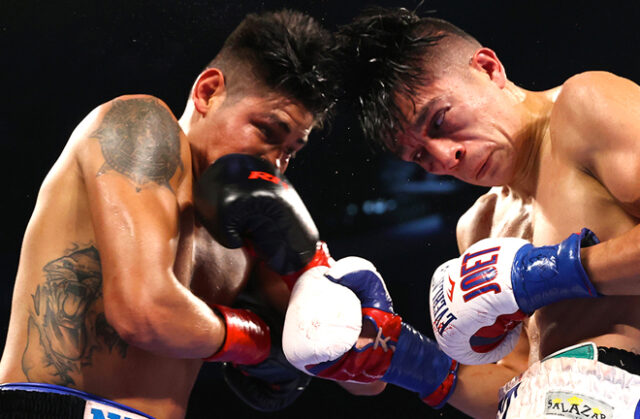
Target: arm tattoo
column 141, row 140
column 67, row 324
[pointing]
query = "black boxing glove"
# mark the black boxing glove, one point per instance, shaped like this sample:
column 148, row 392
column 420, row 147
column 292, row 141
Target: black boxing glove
column 243, row 200
column 274, row 383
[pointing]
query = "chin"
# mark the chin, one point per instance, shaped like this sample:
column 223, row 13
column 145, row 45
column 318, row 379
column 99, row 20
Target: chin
column 480, row 182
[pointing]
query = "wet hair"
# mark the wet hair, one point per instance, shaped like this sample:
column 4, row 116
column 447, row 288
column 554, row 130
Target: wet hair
column 285, row 51
column 390, row 52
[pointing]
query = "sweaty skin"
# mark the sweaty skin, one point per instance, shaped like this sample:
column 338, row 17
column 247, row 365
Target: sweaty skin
column 586, row 177
column 566, row 158
column 102, row 300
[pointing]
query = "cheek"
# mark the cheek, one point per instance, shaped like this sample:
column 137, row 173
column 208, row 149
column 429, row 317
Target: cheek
column 481, row 114
column 241, row 136
column 466, row 115
column 504, row 169
column 244, row 134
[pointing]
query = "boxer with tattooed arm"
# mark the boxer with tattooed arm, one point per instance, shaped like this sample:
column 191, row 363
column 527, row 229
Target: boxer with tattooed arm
column 121, row 293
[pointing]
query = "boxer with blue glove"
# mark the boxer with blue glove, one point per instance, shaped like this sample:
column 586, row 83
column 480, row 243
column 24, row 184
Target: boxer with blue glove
column 558, row 160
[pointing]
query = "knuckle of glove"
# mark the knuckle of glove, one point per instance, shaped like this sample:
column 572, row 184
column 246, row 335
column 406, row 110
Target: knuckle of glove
column 350, row 264
column 323, row 320
column 244, row 200
column 474, row 314
column 362, row 277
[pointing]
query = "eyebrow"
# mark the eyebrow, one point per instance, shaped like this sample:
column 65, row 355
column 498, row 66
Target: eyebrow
column 423, row 113
column 274, row 119
column 424, row 110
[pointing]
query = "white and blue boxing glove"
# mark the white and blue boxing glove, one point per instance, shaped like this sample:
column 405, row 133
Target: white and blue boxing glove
column 478, row 301
column 399, row 355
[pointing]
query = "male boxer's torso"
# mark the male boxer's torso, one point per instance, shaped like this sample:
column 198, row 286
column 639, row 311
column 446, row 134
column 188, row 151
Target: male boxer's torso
column 58, row 332
column 565, row 200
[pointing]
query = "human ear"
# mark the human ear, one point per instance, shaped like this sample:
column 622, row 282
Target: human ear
column 208, row 90
column 486, row 61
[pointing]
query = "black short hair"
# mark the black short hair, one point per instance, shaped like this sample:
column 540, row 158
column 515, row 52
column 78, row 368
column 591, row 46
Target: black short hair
column 287, row 51
column 386, row 52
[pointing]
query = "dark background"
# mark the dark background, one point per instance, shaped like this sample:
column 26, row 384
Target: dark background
column 60, row 59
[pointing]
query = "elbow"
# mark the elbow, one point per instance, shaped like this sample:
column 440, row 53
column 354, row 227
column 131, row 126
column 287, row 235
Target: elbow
column 133, row 308
column 134, row 323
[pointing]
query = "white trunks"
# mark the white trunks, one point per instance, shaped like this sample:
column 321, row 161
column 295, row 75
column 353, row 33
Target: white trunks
column 573, row 383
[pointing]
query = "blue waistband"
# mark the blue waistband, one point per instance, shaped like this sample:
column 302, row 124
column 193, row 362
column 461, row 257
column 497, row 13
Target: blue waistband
column 52, row 388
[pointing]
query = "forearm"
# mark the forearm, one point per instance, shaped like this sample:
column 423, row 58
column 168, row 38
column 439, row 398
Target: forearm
column 612, row 266
column 363, row 389
column 168, row 321
column 476, row 392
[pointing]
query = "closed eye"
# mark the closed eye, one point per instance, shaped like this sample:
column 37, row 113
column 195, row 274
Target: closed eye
column 267, row 133
column 439, row 119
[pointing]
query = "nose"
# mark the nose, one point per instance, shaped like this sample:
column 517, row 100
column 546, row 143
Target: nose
column 444, row 156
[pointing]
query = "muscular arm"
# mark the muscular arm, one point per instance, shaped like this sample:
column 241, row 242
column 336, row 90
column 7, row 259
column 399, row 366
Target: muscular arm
column 132, row 165
column 598, row 118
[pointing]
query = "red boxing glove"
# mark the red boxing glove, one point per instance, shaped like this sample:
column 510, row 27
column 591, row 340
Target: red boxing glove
column 247, row 340
column 321, row 258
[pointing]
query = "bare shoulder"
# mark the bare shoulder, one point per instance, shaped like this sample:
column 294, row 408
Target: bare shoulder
column 121, row 107
column 582, row 86
column 595, row 112
column 137, row 106
column 501, row 212
column 587, row 98
column 136, row 136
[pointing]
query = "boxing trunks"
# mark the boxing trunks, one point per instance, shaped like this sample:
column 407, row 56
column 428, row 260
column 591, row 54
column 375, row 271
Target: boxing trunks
column 582, row 381
column 35, row 400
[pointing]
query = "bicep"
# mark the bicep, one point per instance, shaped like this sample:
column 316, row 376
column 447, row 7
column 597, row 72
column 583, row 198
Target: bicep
column 599, row 126
column 618, row 166
column 132, row 227
column 130, row 166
